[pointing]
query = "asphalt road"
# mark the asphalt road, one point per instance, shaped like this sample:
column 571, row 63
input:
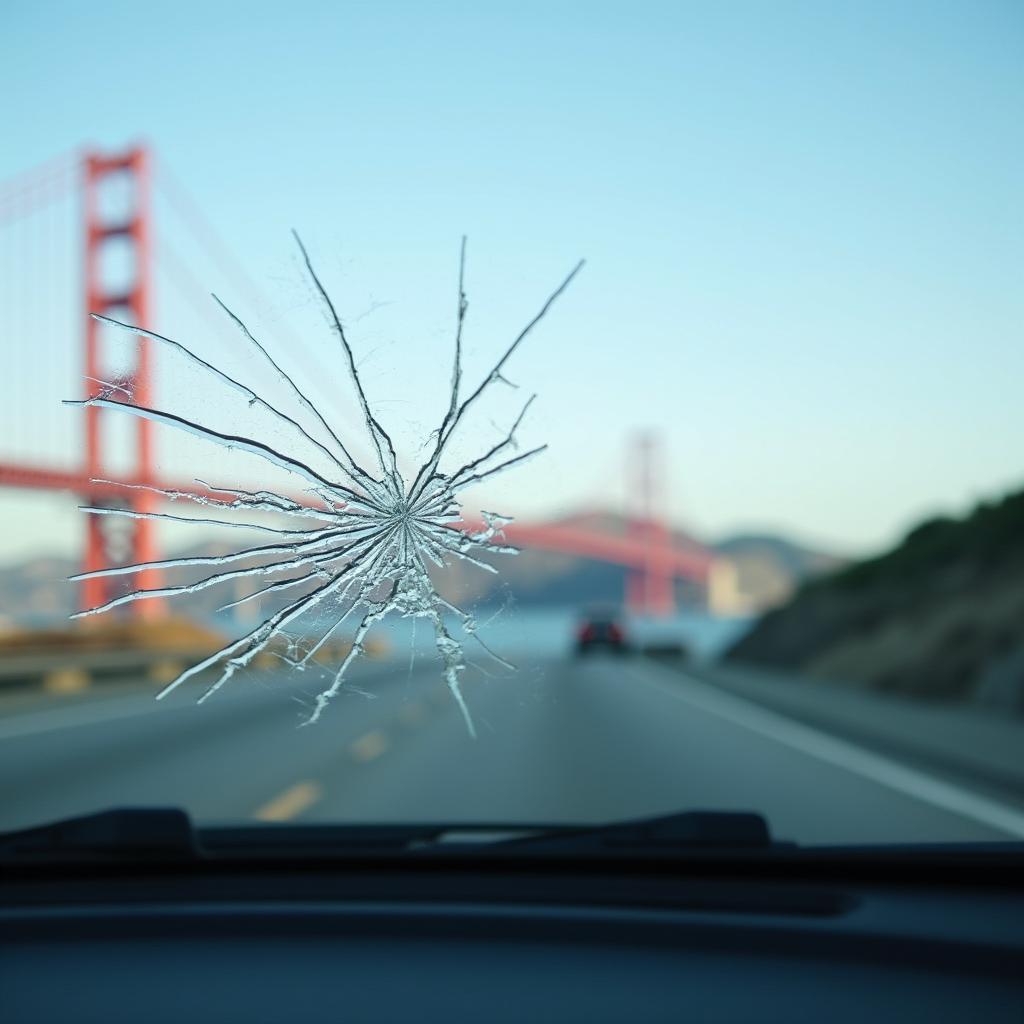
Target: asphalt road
column 558, row 741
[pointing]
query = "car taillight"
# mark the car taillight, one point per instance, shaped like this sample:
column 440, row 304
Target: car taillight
column 614, row 634
column 587, row 633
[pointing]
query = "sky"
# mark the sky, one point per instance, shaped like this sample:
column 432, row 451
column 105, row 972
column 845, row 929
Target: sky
column 803, row 226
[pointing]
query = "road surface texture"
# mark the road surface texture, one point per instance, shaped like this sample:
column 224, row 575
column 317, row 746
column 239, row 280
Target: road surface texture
column 558, row 741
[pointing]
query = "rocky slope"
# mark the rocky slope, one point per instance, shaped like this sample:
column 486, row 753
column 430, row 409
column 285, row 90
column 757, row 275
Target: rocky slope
column 939, row 616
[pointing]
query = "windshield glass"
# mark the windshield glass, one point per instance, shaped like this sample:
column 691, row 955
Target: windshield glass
column 629, row 425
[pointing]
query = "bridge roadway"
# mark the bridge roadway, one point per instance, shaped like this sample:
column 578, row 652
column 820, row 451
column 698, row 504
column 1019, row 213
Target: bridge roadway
column 559, row 741
column 573, row 537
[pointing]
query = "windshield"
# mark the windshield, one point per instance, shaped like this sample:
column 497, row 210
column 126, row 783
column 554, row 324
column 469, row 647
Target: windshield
column 535, row 414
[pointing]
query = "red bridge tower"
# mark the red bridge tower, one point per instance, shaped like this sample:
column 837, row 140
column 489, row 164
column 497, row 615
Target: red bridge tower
column 107, row 541
column 650, row 590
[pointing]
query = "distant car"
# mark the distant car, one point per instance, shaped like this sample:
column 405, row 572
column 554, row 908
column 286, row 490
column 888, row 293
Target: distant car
column 601, row 629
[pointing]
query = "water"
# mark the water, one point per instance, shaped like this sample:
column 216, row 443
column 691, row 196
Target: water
column 551, row 632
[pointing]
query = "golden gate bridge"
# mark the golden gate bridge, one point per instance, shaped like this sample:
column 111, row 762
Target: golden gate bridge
column 652, row 555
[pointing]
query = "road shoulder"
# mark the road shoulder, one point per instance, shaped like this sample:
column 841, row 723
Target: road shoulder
column 962, row 743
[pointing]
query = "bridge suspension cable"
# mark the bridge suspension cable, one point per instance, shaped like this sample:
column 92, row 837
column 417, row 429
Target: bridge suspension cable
column 45, row 215
column 25, row 193
column 206, row 236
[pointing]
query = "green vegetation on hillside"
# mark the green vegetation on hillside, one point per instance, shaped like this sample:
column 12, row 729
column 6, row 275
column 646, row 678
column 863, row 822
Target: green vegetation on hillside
column 942, row 614
column 991, row 534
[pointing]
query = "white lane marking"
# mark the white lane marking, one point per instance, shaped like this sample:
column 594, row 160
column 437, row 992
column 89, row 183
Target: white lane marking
column 836, row 752
column 108, row 709
column 113, row 707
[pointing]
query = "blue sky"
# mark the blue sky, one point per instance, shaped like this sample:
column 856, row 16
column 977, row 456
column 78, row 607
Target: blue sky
column 803, row 223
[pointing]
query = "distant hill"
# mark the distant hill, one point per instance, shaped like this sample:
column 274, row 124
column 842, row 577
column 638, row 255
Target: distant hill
column 771, row 568
column 36, row 592
column 940, row 615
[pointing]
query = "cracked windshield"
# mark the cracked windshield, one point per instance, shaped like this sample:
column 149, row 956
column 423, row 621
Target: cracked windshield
column 463, row 414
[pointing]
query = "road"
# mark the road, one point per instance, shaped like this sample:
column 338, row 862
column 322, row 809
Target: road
column 558, row 741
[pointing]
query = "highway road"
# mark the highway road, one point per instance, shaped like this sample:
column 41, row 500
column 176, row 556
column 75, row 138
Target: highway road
column 559, row 741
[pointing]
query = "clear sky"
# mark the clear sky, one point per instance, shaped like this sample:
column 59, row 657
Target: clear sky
column 803, row 222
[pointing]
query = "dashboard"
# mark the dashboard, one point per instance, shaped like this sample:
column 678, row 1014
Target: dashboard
column 480, row 942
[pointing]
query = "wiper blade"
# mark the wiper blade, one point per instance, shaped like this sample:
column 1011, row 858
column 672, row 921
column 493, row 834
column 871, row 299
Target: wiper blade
column 158, row 833
column 131, row 833
column 167, row 834
column 692, row 830
column 704, row 831
column 733, row 831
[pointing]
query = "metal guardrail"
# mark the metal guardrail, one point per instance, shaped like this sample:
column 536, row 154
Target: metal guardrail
column 77, row 670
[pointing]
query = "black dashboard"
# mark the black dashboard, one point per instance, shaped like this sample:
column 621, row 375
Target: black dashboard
column 490, row 939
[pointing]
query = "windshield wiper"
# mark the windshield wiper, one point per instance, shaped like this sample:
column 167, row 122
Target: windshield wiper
column 167, row 834
column 704, row 831
column 686, row 831
column 131, row 833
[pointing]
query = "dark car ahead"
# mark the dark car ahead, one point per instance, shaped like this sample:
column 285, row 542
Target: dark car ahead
column 601, row 628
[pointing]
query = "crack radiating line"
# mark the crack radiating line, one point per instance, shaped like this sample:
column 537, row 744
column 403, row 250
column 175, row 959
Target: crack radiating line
column 364, row 554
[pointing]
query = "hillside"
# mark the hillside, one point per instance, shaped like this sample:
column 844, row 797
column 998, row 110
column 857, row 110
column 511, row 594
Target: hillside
column 941, row 615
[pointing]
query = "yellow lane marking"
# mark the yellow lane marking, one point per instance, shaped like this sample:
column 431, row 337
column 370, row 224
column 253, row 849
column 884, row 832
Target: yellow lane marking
column 369, row 746
column 291, row 802
column 412, row 713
